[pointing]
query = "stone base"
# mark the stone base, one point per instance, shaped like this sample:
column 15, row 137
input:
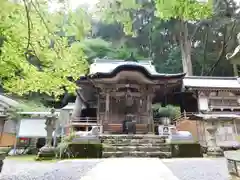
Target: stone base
column 215, row 152
column 46, row 153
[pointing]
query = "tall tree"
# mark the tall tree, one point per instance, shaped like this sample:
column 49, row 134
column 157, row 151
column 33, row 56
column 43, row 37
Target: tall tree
column 183, row 11
column 34, row 55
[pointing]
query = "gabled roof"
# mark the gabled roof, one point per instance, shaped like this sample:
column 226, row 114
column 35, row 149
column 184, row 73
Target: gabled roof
column 107, row 68
column 211, row 82
column 109, row 65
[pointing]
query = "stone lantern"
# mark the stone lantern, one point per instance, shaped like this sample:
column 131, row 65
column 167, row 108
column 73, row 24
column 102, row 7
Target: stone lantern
column 212, row 148
column 48, row 151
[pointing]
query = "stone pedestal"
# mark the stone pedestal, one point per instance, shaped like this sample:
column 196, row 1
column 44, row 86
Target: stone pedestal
column 233, row 163
column 212, row 148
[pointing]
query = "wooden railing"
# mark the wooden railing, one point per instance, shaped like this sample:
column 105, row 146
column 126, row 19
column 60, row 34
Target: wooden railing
column 84, row 120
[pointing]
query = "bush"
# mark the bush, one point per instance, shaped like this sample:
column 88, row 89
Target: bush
column 78, row 150
column 69, row 149
column 5, row 149
column 186, row 150
column 86, row 150
column 31, row 151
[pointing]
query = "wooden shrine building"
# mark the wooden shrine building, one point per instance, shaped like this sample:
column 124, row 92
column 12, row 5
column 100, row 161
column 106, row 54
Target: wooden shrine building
column 116, row 91
column 218, row 105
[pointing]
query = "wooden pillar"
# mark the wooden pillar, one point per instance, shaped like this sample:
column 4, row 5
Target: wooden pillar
column 107, row 107
column 150, row 115
column 99, row 120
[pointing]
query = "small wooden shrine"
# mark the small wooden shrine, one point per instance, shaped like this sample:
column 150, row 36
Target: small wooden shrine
column 218, row 108
column 118, row 91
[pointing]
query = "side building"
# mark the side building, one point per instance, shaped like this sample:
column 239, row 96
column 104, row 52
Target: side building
column 218, row 108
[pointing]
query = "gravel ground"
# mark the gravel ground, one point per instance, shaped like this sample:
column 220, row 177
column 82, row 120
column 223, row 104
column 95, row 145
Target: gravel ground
column 15, row 170
column 198, row 169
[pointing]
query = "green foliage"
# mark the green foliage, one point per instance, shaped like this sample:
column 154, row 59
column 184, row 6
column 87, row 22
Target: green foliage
column 68, row 149
column 173, row 63
column 5, row 150
column 62, row 148
column 99, row 48
column 31, row 105
column 118, row 11
column 169, row 111
column 183, row 9
column 29, row 62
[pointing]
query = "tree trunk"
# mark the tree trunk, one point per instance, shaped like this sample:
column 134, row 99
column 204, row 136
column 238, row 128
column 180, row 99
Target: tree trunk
column 185, row 45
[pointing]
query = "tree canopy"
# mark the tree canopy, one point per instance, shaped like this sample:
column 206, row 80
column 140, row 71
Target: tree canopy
column 34, row 56
column 44, row 52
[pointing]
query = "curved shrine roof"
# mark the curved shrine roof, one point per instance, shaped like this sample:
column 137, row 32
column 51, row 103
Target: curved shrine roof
column 107, row 68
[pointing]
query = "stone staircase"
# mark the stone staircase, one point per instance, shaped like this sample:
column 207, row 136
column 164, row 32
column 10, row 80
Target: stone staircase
column 135, row 146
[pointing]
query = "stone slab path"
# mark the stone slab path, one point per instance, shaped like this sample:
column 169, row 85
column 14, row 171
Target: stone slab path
column 129, row 169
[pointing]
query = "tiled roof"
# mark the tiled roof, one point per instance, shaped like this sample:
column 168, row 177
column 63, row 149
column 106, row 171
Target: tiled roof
column 107, row 68
column 108, row 65
column 217, row 116
column 211, row 82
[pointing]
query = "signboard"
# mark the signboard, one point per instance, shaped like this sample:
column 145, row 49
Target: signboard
column 163, row 130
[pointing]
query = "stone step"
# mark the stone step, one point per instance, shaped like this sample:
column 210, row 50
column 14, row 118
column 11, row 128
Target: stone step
column 135, row 144
column 131, row 137
column 158, row 154
column 134, row 141
column 165, row 148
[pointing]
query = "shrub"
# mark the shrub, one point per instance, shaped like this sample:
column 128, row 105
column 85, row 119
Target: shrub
column 5, row 149
column 78, row 150
column 86, row 150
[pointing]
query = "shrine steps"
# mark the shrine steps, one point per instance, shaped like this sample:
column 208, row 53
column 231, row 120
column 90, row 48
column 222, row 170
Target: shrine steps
column 135, row 146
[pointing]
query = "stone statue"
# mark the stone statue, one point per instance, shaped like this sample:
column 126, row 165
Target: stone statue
column 50, row 126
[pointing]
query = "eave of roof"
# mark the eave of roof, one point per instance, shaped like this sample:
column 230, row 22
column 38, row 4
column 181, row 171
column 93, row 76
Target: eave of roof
column 226, row 116
column 211, row 83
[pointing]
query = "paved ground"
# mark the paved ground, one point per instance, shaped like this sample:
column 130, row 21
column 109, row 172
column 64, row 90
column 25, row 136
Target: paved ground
column 198, row 168
column 16, row 170
column 118, row 169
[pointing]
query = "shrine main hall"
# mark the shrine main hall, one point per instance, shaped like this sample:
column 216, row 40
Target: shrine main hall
column 117, row 91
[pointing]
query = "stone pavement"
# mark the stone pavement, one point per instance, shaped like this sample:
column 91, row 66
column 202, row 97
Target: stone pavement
column 118, row 169
column 130, row 169
column 198, row 168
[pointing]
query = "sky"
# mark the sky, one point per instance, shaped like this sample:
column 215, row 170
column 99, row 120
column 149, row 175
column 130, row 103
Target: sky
column 75, row 3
